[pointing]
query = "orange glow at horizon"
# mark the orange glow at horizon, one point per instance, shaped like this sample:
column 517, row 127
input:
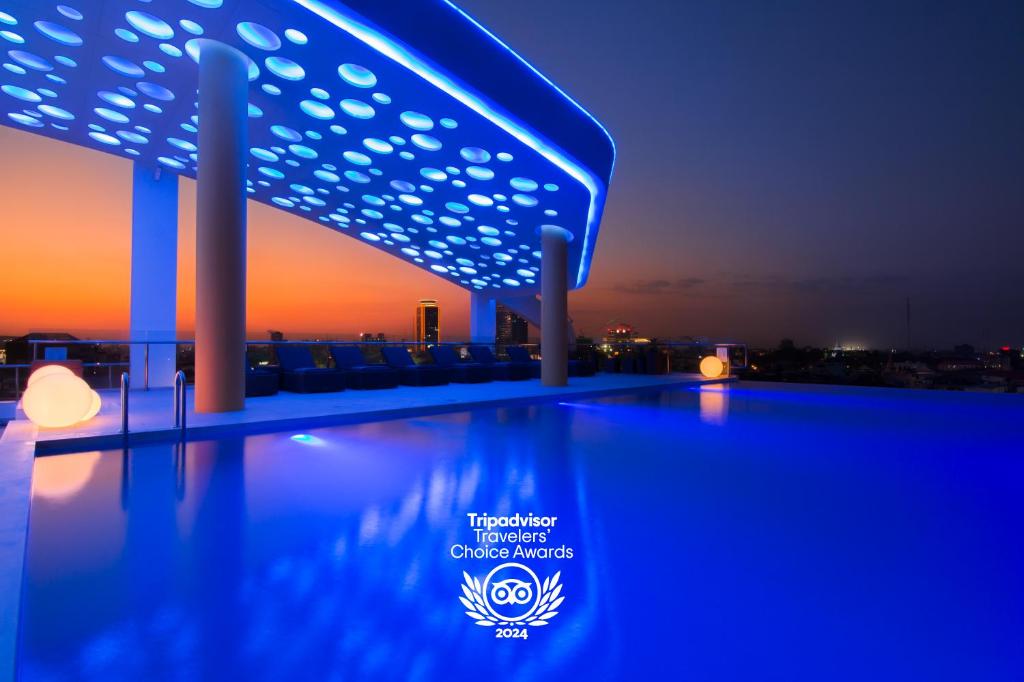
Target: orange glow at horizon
column 67, row 232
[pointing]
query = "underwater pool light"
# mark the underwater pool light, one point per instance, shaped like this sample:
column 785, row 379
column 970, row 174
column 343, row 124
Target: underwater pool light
column 308, row 439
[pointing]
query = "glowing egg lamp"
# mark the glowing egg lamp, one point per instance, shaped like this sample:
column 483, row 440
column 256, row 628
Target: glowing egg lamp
column 711, row 367
column 48, row 370
column 57, row 399
column 94, row 408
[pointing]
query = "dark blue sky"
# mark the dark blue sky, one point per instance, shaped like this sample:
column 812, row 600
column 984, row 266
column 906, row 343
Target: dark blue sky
column 799, row 168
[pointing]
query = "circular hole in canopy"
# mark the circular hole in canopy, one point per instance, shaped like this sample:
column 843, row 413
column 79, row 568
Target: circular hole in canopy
column 258, row 35
column 357, row 75
column 285, row 68
column 147, row 24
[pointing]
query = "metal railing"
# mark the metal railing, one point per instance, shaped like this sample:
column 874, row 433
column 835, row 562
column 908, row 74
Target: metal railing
column 673, row 350
column 36, row 343
column 17, row 370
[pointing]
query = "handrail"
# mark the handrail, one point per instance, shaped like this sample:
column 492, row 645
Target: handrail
column 17, row 367
column 36, row 343
column 125, row 384
column 616, row 344
column 250, row 342
column 339, row 342
column 26, row 365
column 180, row 390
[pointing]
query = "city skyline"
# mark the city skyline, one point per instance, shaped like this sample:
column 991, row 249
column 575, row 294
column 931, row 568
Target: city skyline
column 799, row 172
column 510, row 327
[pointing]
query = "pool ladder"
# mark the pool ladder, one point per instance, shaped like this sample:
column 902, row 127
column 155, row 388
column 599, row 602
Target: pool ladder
column 125, row 385
column 180, row 392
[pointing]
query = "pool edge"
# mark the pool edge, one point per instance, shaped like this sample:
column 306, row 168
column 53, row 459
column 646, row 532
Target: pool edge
column 17, row 452
column 115, row 440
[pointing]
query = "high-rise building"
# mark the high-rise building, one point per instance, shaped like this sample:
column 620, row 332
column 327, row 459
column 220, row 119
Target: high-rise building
column 510, row 327
column 428, row 321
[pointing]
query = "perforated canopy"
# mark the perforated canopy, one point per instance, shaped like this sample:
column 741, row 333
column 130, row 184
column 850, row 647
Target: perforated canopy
column 405, row 124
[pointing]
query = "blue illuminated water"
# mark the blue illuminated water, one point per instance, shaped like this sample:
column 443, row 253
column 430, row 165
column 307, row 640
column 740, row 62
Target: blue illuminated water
column 748, row 533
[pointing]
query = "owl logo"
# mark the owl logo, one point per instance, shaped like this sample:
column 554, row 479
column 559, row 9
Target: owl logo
column 511, row 595
column 511, row 591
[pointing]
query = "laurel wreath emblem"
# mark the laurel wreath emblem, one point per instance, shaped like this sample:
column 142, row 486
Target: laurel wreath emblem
column 547, row 606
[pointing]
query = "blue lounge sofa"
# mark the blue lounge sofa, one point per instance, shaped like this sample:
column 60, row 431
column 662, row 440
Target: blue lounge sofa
column 299, row 373
column 360, row 374
column 460, row 371
column 412, row 374
column 577, row 368
column 262, row 381
column 521, row 356
column 581, row 368
column 501, row 371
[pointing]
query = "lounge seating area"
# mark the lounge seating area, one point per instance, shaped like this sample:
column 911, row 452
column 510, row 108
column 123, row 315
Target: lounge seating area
column 521, row 357
column 501, row 371
column 411, row 373
column 300, row 374
column 262, row 381
column 459, row 371
column 579, row 368
column 361, row 374
column 349, row 367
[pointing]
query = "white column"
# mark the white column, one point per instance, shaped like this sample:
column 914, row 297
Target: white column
column 221, row 228
column 154, row 275
column 482, row 318
column 554, row 341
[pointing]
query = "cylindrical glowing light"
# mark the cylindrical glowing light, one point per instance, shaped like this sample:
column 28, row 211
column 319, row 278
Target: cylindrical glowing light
column 56, row 398
column 711, row 367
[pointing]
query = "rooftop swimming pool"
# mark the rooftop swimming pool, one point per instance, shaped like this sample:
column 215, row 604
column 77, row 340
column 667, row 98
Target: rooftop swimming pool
column 748, row 532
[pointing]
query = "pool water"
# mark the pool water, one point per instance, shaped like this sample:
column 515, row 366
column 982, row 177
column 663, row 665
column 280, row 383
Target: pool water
column 740, row 533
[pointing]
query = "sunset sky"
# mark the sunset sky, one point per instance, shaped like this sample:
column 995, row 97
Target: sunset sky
column 785, row 169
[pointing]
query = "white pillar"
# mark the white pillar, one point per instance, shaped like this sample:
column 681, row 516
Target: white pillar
column 554, row 341
column 221, row 228
column 154, row 275
column 482, row 318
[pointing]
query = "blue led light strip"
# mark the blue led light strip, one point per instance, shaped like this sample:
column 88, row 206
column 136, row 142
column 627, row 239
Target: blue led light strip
column 430, row 73
column 587, row 245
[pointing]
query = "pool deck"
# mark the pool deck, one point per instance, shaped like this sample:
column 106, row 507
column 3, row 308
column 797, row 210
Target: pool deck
column 151, row 415
column 17, row 450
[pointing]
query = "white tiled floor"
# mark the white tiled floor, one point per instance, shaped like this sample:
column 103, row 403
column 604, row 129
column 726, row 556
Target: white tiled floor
column 151, row 412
